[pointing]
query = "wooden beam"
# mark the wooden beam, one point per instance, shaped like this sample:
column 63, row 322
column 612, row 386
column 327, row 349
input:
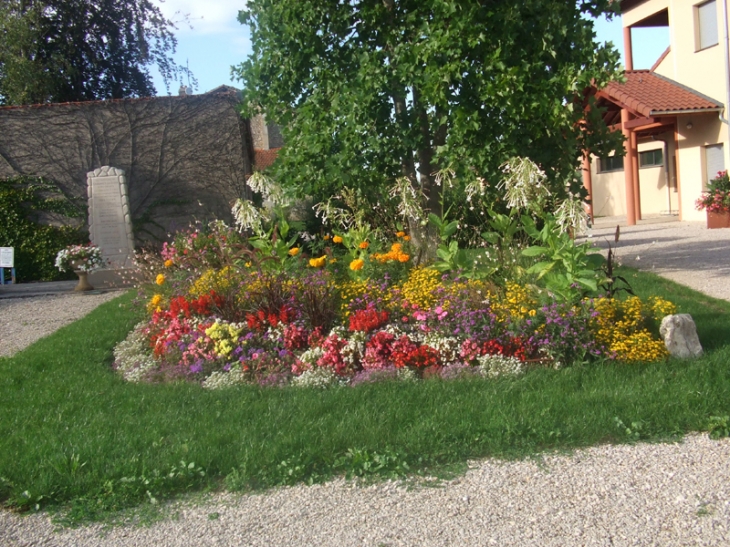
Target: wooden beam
column 629, row 172
column 588, row 182
column 638, row 122
column 657, row 122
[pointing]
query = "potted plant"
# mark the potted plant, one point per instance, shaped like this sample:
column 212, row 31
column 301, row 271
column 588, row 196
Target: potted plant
column 82, row 259
column 716, row 201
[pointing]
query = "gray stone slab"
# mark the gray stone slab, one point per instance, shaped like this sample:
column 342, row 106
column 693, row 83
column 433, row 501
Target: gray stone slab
column 110, row 223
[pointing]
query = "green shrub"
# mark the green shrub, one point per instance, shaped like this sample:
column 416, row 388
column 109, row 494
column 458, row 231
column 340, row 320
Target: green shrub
column 26, row 206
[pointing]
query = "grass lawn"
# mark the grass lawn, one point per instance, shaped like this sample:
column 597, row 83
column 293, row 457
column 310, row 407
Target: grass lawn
column 73, row 434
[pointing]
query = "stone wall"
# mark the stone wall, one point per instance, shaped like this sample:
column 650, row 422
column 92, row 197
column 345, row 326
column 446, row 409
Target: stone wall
column 186, row 158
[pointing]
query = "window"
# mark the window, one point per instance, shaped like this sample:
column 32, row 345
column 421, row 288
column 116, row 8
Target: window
column 651, row 158
column 610, row 163
column 714, row 161
column 707, row 25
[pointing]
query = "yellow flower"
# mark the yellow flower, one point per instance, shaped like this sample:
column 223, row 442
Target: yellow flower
column 168, row 263
column 248, row 264
column 326, row 237
column 400, row 234
column 294, row 251
column 357, row 264
column 154, row 303
column 318, row 262
column 337, row 239
column 160, row 279
column 364, row 245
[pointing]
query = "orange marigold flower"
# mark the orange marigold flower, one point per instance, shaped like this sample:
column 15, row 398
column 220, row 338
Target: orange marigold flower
column 364, row 245
column 318, row 262
column 168, row 263
column 396, row 247
column 357, row 264
column 403, row 257
column 326, row 237
column 406, row 238
column 400, row 234
column 294, row 251
column 160, row 279
column 337, row 239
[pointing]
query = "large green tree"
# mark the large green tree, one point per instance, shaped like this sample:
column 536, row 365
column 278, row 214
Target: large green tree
column 370, row 90
column 78, row 50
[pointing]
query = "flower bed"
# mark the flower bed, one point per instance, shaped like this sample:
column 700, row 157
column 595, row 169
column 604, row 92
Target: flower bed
column 309, row 325
column 270, row 304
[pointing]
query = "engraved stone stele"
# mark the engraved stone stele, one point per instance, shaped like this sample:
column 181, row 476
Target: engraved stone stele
column 110, row 223
column 680, row 335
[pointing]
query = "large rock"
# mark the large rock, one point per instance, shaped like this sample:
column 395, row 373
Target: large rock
column 680, row 335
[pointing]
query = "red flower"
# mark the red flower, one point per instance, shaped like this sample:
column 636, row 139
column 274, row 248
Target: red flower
column 367, row 320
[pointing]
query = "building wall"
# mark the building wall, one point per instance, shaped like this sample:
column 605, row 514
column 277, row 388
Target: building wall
column 706, row 129
column 701, row 70
column 658, row 196
column 185, row 158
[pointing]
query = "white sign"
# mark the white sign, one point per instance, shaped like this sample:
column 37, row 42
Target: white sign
column 6, row 257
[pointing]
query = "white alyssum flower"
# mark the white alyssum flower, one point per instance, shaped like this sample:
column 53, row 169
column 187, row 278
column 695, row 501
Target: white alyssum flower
column 492, row 366
column 132, row 358
column 318, row 377
column 223, row 379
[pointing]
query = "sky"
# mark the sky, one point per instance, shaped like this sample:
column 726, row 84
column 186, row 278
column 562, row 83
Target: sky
column 212, row 40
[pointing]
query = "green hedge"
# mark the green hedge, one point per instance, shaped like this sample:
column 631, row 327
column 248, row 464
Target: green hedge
column 23, row 202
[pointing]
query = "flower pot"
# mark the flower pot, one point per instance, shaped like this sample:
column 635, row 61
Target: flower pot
column 83, row 284
column 718, row 220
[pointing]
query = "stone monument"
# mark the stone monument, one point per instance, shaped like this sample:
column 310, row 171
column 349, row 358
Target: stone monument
column 110, row 224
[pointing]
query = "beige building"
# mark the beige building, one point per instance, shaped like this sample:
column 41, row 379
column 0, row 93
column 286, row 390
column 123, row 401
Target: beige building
column 673, row 115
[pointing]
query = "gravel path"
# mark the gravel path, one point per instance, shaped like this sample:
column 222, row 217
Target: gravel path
column 647, row 494
column 25, row 320
column 685, row 252
column 644, row 494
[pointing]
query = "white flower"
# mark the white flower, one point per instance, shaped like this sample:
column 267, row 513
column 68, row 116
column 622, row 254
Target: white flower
column 247, row 216
column 222, row 379
column 86, row 258
column 493, row 366
column 319, row 377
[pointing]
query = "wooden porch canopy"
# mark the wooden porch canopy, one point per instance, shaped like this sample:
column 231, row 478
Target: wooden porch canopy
column 645, row 104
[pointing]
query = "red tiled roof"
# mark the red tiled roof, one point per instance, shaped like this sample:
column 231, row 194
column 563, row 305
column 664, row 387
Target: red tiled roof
column 264, row 158
column 650, row 94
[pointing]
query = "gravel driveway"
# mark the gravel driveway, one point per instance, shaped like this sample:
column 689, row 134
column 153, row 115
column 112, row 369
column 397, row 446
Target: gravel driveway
column 685, row 252
column 644, row 494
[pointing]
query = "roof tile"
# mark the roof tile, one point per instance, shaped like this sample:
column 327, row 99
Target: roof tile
column 650, row 94
column 264, row 158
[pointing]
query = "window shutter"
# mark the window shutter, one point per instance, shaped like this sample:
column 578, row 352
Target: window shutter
column 707, row 22
column 714, row 160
